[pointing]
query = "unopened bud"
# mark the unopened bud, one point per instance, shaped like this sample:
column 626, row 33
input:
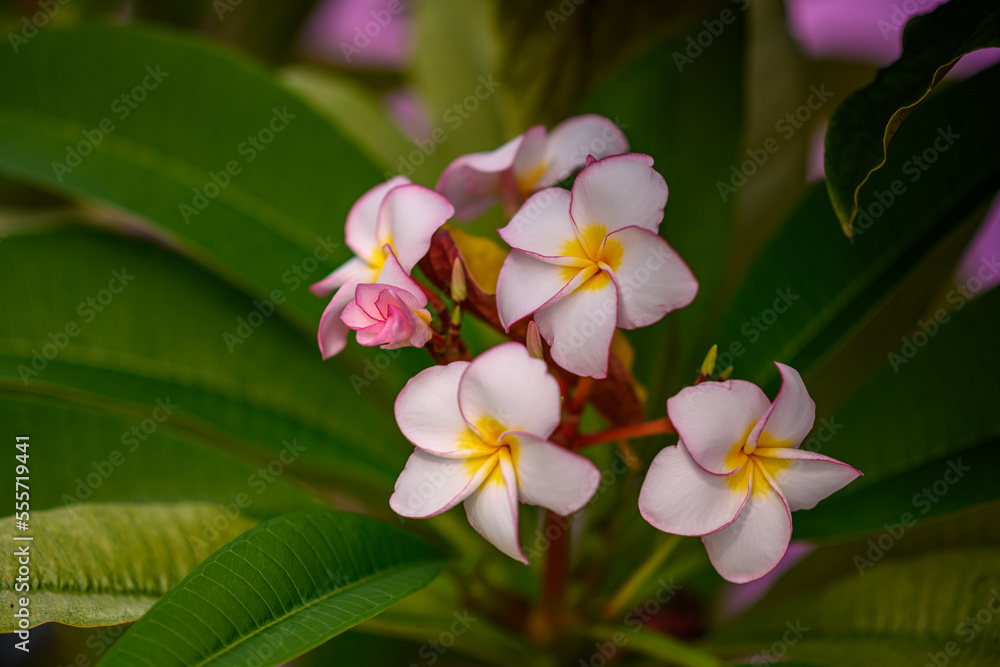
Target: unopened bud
column 708, row 366
column 459, row 290
column 724, row 375
column 533, row 341
column 456, row 316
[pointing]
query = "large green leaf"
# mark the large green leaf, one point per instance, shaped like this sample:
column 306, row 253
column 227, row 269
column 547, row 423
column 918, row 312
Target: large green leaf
column 811, row 291
column 858, row 137
column 278, row 590
column 925, row 430
column 168, row 337
column 692, row 131
column 163, row 121
column 101, row 564
column 901, row 599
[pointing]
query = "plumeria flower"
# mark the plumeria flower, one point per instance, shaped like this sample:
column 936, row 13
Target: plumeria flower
column 390, row 312
column 588, row 261
column 480, row 429
column 527, row 163
column 737, row 473
column 393, row 218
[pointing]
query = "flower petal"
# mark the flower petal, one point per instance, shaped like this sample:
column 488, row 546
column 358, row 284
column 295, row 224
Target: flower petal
column 531, row 160
column 492, row 509
column 472, row 182
column 580, row 325
column 362, row 220
column 525, row 284
column 332, row 331
column 752, row 545
column 339, row 276
column 791, row 416
column 713, row 419
column 679, row 497
column 551, row 476
column 393, row 274
column 431, row 484
column 542, row 225
column 507, row 385
column 428, row 415
column 619, row 191
column 572, row 140
column 804, row 477
column 652, row 278
column 409, row 216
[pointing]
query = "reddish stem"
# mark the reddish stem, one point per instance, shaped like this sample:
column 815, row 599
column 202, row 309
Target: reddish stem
column 554, row 582
column 654, row 427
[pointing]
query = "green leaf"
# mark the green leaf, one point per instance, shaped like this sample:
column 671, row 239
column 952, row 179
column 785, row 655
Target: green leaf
column 925, row 431
column 173, row 334
column 279, row 590
column 169, row 118
column 860, row 130
column 692, row 131
column 810, row 292
column 101, row 564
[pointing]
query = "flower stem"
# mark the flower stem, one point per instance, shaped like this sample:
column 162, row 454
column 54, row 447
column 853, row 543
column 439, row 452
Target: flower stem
column 554, row 582
column 639, row 578
column 654, row 427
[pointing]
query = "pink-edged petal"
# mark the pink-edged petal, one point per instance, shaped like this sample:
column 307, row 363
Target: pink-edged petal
column 507, row 385
column 713, row 419
column 472, row 182
column 791, row 416
column 572, row 140
column 531, row 160
column 679, row 497
column 332, row 334
column 428, row 415
column 619, row 191
column 551, row 476
column 339, row 276
column 356, row 317
column 362, row 220
column 392, row 274
column 409, row 216
column 579, row 327
column 431, row 484
column 752, row 546
column 393, row 333
column 525, row 284
column 804, row 477
column 492, row 510
column 652, row 278
column 542, row 225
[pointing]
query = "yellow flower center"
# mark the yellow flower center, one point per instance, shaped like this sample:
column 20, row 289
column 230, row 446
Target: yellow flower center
column 741, row 456
column 595, row 254
column 489, row 443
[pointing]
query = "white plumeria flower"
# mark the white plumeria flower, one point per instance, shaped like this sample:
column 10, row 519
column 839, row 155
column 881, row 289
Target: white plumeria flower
column 590, row 260
column 390, row 312
column 395, row 217
column 737, row 473
column 480, row 429
column 527, row 163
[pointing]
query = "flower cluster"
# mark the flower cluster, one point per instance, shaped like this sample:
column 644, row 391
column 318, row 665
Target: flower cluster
column 500, row 429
